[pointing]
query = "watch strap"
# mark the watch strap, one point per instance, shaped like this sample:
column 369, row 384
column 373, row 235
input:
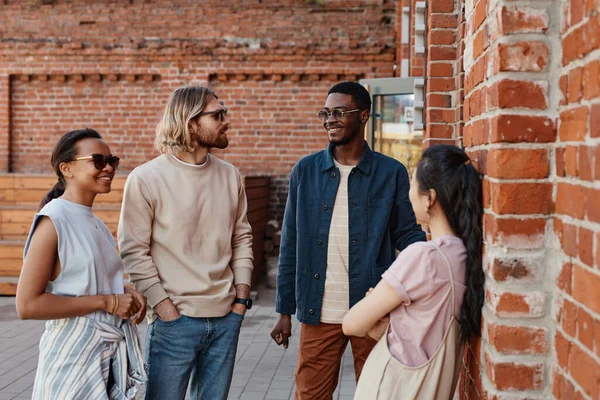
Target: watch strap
column 246, row 302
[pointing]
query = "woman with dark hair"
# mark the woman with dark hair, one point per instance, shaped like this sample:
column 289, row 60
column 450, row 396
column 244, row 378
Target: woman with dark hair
column 428, row 303
column 72, row 276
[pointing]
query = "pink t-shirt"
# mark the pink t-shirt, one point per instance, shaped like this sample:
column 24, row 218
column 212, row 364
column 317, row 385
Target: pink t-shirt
column 421, row 278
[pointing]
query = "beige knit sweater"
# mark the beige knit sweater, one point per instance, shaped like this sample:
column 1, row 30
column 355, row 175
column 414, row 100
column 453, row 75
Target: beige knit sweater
column 184, row 234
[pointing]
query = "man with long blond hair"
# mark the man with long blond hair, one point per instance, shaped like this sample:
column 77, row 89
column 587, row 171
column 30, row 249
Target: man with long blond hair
column 187, row 246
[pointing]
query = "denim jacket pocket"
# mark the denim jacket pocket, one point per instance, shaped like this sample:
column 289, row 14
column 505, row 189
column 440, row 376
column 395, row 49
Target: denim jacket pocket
column 378, row 216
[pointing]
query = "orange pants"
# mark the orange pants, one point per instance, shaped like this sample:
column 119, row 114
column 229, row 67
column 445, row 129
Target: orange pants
column 320, row 357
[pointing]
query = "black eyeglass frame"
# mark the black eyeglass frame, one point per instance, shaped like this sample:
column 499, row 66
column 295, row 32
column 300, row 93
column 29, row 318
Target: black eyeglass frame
column 221, row 113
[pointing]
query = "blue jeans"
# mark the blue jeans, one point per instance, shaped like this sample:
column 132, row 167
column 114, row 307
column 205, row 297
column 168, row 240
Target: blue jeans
column 203, row 348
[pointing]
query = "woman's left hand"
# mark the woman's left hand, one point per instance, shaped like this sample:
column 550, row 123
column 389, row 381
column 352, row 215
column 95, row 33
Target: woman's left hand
column 141, row 299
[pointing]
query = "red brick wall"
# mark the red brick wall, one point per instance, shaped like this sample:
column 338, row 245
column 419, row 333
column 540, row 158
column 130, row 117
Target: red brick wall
column 444, row 74
column 277, row 121
column 509, row 126
column 274, row 30
column 4, row 121
column 124, row 110
column 576, row 366
column 531, row 104
column 111, row 66
column 417, row 62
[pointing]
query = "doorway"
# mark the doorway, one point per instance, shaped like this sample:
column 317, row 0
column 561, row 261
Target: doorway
column 394, row 128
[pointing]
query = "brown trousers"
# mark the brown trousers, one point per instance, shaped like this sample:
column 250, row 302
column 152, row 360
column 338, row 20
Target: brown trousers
column 319, row 359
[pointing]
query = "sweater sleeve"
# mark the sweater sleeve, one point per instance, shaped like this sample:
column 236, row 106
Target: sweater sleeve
column 241, row 240
column 134, row 235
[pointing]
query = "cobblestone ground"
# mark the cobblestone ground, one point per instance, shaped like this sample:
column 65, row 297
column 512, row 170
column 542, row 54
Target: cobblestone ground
column 262, row 371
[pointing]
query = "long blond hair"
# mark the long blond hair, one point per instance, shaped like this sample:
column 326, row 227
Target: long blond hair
column 172, row 132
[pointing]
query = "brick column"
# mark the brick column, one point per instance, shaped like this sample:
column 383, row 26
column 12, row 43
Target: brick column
column 4, row 122
column 444, row 74
column 509, row 115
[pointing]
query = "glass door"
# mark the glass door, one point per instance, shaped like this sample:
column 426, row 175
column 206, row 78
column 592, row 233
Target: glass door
column 392, row 130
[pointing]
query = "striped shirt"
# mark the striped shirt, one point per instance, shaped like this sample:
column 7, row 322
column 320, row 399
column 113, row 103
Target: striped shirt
column 81, row 358
column 336, row 297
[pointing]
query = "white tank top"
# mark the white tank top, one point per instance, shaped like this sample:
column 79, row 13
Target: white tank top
column 89, row 260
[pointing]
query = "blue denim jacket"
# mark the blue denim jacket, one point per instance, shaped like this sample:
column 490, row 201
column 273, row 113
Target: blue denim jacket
column 381, row 220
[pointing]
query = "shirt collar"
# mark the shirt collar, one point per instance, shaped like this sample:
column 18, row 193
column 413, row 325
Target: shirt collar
column 365, row 160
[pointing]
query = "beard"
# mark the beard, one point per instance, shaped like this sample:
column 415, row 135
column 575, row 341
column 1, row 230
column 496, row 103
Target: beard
column 345, row 140
column 211, row 139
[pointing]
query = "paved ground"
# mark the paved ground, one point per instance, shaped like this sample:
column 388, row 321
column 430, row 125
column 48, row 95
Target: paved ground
column 263, row 370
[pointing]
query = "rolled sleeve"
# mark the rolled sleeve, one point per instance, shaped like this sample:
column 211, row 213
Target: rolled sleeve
column 398, row 286
column 410, row 275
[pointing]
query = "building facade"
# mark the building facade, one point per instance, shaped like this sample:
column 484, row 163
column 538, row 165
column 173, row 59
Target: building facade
column 516, row 83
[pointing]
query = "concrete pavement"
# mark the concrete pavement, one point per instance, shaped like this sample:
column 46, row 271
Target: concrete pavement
column 263, row 370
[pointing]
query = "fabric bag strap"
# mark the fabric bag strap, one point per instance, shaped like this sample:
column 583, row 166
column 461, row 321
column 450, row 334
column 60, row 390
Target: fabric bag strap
column 449, row 271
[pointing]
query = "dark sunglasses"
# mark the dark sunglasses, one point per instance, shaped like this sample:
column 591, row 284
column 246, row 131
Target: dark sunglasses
column 219, row 114
column 100, row 161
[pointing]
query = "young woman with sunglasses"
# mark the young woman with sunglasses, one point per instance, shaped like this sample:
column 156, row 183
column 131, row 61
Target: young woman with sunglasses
column 72, row 276
column 429, row 301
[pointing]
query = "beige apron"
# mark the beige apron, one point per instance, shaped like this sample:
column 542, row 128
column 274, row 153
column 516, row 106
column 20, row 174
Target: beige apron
column 383, row 377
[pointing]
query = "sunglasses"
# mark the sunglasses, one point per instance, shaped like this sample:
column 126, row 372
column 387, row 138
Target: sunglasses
column 219, row 114
column 100, row 161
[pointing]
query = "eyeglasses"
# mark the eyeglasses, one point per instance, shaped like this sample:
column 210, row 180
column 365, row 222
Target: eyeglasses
column 219, row 114
column 100, row 161
column 337, row 113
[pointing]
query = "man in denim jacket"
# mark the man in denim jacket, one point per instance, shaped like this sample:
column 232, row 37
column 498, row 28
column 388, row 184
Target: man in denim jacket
column 347, row 212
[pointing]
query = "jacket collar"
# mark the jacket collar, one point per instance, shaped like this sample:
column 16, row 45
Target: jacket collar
column 365, row 160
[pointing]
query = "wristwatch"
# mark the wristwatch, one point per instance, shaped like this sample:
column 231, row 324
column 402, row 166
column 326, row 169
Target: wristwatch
column 246, row 302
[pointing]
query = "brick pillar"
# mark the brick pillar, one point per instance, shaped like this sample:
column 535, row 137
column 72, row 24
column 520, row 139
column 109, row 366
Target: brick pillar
column 509, row 115
column 4, row 122
column 444, row 74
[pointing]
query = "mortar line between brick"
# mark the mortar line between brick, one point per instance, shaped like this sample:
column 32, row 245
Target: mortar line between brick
column 584, row 307
column 516, row 288
column 541, row 321
column 521, row 217
column 571, row 339
column 569, row 378
column 580, row 62
column 524, row 359
column 576, row 26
